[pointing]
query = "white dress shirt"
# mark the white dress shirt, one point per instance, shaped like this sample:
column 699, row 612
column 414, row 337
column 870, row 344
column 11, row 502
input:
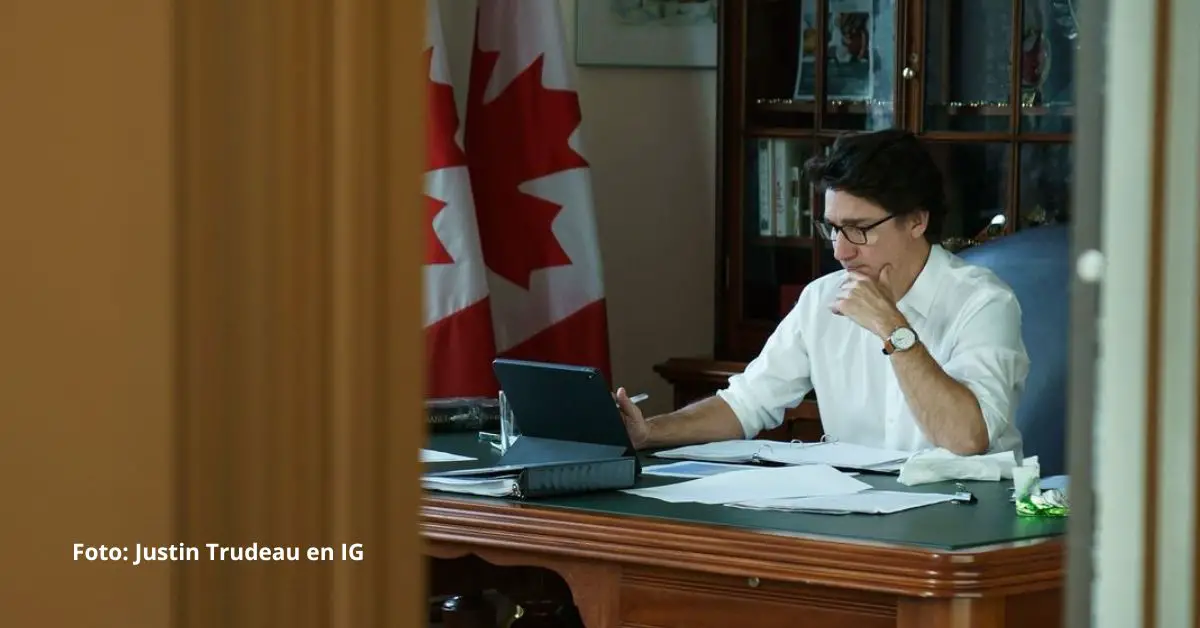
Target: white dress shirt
column 968, row 320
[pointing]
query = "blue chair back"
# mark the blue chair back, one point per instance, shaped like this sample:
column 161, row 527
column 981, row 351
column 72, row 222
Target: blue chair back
column 1035, row 263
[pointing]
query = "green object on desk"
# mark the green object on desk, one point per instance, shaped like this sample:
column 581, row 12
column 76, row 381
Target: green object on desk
column 947, row 526
column 1048, row 503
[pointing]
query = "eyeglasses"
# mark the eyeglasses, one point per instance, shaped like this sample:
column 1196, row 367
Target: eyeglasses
column 854, row 233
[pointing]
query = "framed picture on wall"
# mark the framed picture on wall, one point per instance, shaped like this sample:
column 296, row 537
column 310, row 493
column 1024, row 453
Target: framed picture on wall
column 646, row 33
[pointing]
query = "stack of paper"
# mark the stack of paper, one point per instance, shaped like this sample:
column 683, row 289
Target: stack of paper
column 721, row 451
column 872, row 502
column 843, row 455
column 834, row 454
column 429, row 455
column 813, row 480
column 497, row 486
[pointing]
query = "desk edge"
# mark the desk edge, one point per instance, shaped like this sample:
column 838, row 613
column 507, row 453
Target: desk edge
column 1002, row 569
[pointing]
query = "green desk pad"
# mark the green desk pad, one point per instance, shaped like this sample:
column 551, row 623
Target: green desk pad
column 948, row 527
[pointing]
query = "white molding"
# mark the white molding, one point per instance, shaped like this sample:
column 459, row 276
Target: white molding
column 1119, row 447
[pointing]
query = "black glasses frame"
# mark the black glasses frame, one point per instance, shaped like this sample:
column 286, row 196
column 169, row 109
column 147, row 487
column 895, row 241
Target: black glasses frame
column 855, row 234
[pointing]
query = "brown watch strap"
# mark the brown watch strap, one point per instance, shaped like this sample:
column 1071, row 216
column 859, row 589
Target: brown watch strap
column 888, row 347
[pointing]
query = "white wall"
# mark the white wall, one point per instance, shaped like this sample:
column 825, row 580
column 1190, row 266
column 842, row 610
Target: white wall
column 650, row 135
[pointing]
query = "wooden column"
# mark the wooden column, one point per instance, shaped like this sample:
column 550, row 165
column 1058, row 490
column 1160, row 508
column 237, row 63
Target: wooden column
column 212, row 320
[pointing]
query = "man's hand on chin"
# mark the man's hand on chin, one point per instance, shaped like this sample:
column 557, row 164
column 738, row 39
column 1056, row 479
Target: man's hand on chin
column 869, row 302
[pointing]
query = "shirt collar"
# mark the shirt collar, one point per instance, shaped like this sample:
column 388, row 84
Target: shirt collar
column 919, row 297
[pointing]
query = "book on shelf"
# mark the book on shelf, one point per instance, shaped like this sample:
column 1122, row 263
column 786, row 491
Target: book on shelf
column 766, row 214
column 782, row 210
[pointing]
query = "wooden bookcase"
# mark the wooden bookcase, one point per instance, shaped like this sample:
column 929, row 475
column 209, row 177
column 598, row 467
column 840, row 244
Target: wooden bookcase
column 987, row 83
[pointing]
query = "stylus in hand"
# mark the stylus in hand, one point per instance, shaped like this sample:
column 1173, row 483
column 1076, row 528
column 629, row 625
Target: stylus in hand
column 636, row 399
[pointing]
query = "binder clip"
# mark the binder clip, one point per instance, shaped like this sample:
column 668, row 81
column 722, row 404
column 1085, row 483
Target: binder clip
column 962, row 495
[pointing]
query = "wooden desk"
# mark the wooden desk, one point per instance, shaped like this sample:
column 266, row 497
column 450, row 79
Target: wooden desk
column 631, row 561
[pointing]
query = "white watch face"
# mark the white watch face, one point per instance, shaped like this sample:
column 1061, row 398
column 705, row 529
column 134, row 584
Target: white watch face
column 903, row 338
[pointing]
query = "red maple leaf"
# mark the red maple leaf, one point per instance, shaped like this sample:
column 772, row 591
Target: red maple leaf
column 519, row 136
column 441, row 151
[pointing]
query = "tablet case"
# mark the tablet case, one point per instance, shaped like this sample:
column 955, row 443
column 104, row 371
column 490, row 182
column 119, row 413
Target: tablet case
column 572, row 438
column 562, row 402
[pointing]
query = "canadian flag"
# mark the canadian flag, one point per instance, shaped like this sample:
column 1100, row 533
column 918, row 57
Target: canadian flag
column 533, row 190
column 460, row 344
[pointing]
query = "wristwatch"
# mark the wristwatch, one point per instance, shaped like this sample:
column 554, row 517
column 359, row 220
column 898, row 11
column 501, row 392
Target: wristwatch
column 902, row 339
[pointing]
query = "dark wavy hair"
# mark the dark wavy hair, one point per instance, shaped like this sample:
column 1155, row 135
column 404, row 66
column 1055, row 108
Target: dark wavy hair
column 890, row 168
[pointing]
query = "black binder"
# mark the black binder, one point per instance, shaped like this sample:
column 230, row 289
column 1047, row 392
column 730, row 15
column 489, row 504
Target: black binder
column 547, row 479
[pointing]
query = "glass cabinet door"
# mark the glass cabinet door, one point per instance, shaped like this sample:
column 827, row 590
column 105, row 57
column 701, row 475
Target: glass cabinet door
column 968, row 65
column 860, row 64
column 773, row 97
column 975, row 177
column 970, row 81
column 1047, row 175
column 849, row 66
column 1049, row 40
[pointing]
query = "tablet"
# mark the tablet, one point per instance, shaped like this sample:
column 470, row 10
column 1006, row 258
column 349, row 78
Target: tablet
column 561, row 401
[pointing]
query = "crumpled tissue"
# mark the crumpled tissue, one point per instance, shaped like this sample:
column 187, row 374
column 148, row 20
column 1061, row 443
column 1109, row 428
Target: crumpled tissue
column 939, row 465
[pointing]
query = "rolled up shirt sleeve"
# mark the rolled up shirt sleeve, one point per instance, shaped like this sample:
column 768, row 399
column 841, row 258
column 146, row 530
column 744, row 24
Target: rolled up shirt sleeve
column 990, row 359
column 776, row 380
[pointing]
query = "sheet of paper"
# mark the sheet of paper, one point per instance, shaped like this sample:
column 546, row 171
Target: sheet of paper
column 887, row 467
column 700, row 469
column 429, row 455
column 720, row 451
column 872, row 502
column 692, row 469
column 834, row 454
column 754, row 484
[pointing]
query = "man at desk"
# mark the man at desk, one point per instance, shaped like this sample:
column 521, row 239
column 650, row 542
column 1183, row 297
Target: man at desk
column 908, row 347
